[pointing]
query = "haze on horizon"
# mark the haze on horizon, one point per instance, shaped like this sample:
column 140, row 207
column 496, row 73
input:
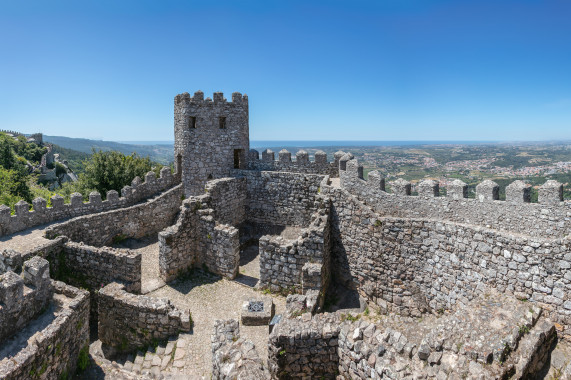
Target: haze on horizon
column 325, row 70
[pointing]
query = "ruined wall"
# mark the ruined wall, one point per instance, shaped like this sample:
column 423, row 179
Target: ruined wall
column 549, row 218
column 282, row 261
column 53, row 351
column 301, row 349
column 228, row 200
column 23, row 297
column 211, row 137
column 286, row 199
column 128, row 321
column 234, row 357
column 135, row 221
column 414, row 265
column 284, row 163
column 23, row 218
column 92, row 267
column 204, row 232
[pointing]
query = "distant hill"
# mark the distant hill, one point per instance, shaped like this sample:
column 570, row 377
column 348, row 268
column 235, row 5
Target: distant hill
column 161, row 153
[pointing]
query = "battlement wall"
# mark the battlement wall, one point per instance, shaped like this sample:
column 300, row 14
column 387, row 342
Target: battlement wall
column 135, row 221
column 211, row 137
column 280, row 198
column 23, row 297
column 128, row 321
column 551, row 217
column 53, row 351
column 284, row 163
column 25, row 218
column 414, row 265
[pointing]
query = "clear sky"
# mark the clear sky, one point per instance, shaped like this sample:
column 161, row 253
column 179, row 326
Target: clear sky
column 313, row 70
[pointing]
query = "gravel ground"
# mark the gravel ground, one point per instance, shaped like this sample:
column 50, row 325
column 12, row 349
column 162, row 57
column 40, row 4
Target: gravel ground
column 209, row 297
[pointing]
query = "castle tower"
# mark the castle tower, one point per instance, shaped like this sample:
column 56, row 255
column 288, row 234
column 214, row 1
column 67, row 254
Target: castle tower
column 211, row 137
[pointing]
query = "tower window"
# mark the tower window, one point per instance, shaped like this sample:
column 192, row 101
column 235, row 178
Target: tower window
column 222, row 122
column 192, row 122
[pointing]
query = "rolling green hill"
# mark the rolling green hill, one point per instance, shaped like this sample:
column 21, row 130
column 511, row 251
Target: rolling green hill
column 162, row 154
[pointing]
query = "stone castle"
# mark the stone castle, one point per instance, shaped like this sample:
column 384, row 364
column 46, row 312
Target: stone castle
column 461, row 287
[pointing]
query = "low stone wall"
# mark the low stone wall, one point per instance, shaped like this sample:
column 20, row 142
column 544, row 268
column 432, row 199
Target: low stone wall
column 549, row 218
column 301, row 348
column 414, row 265
column 128, row 321
column 136, row 221
column 278, row 198
column 52, row 353
column 282, row 261
column 302, row 164
column 94, row 267
column 41, row 214
column 234, row 357
column 23, row 297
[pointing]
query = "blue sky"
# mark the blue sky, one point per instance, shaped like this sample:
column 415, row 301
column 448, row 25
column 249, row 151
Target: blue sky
column 313, row 70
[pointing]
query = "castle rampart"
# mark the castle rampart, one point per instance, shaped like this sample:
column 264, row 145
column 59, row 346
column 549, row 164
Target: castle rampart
column 551, row 217
column 25, row 218
column 302, row 164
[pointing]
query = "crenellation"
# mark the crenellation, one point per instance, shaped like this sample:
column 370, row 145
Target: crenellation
column 39, row 204
column 268, row 155
column 457, row 189
column 401, row 187
column 376, row 181
column 94, row 198
column 550, row 193
column 487, row 191
column 284, row 156
column 302, row 157
column 76, row 200
column 21, row 208
column 518, row 192
column 428, row 188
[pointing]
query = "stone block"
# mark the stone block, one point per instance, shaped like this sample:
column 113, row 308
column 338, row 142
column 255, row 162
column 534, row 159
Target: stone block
column 257, row 311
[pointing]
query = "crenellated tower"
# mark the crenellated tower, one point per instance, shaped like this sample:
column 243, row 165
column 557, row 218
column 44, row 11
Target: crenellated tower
column 211, row 137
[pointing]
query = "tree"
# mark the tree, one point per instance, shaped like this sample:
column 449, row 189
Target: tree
column 113, row 170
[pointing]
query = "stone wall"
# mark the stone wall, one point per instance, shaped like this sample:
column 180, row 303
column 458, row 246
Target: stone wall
column 94, row 267
column 304, row 348
column 549, row 218
column 53, row 351
column 128, row 321
column 202, row 233
column 24, row 218
column 211, row 137
column 282, row 262
column 415, row 265
column 234, row 357
column 278, row 198
column 228, row 200
column 23, row 297
column 302, row 164
column 135, row 221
